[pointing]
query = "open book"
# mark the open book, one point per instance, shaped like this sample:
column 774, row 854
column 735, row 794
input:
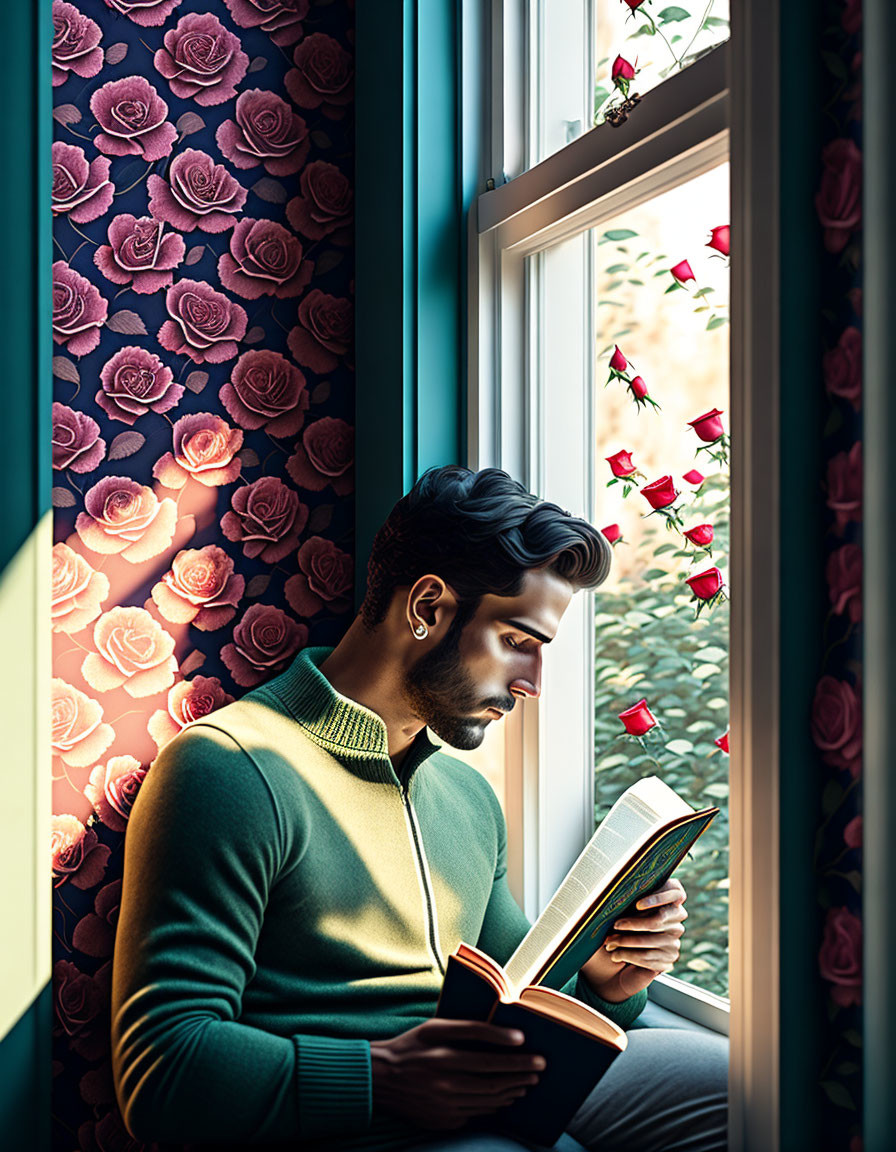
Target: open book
column 633, row 852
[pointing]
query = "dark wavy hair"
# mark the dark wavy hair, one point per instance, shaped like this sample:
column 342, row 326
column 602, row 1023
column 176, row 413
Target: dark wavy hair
column 481, row 532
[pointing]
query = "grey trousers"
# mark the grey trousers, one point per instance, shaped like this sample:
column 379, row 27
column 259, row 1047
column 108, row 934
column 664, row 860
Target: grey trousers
column 668, row 1092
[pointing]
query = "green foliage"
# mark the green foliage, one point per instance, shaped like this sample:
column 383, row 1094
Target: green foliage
column 649, row 644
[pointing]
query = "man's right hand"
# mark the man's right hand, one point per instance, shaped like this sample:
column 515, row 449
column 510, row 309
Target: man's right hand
column 428, row 1077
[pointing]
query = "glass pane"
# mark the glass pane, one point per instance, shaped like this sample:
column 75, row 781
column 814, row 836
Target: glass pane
column 560, row 99
column 659, row 638
column 646, row 42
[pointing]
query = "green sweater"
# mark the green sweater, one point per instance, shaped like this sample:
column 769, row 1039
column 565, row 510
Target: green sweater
column 287, row 900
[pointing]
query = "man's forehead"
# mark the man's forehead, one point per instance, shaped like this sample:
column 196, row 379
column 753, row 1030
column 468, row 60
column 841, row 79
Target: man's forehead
column 540, row 604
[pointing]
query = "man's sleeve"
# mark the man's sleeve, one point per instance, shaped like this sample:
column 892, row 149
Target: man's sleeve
column 505, row 925
column 203, row 849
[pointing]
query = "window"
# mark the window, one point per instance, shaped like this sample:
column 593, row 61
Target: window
column 548, row 303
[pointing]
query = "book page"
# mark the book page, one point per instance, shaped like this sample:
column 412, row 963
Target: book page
column 559, row 1006
column 629, row 823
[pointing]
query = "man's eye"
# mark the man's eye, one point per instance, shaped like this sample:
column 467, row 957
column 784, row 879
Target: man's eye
column 511, row 642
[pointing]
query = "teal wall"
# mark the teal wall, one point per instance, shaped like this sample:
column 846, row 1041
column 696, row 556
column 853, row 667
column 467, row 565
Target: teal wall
column 410, row 254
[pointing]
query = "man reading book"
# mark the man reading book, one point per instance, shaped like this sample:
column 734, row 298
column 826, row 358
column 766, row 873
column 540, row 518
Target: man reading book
column 300, row 864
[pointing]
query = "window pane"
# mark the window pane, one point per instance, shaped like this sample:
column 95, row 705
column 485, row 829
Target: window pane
column 650, row 641
column 656, row 39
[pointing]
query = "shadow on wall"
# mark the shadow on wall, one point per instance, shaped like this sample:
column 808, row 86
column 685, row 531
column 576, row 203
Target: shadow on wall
column 203, row 438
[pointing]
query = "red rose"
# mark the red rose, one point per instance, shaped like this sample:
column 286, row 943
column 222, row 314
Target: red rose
column 852, row 833
column 845, row 487
column 638, row 719
column 112, row 790
column 323, row 75
column 188, row 700
column 94, row 934
column 682, row 272
column 76, row 442
column 81, row 1006
column 324, row 207
column 325, row 580
column 612, row 532
column 661, row 493
column 325, row 333
column 263, row 641
column 842, row 367
column 201, row 59
column 266, row 391
column 840, row 956
column 633, row 4
column 621, row 463
column 838, row 201
column 76, row 853
column 266, row 518
column 700, row 534
column 200, row 588
column 719, row 239
column 618, row 361
column 705, row 584
column 638, row 387
column 325, row 456
column 844, row 576
column 622, row 69
column 836, row 724
column 139, row 255
column 708, row 426
column 722, row 742
column 694, row 477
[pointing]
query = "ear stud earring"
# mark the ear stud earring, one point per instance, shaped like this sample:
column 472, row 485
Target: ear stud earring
column 421, row 631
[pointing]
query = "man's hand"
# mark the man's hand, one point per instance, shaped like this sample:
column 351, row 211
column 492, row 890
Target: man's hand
column 643, row 944
column 428, row 1077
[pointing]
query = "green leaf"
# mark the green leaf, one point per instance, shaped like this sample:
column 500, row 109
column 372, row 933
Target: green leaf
column 672, row 288
column 716, row 322
column 713, row 22
column 834, row 65
column 716, row 791
column 616, row 268
column 703, row 670
column 673, row 15
column 644, row 30
column 619, row 234
column 656, row 574
column 838, row 1094
column 712, row 655
column 638, row 282
column 679, row 747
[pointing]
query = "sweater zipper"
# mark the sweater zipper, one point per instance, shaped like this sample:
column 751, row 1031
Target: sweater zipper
column 423, row 872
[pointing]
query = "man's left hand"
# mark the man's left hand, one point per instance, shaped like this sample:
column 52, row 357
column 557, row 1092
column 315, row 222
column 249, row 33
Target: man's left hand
column 642, row 944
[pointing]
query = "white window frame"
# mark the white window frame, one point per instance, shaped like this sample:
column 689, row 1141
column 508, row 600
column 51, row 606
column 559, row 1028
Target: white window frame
column 727, row 103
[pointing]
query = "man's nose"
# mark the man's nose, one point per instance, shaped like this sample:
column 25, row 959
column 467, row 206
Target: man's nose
column 528, row 685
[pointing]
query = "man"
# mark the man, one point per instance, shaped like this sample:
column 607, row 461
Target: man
column 300, row 864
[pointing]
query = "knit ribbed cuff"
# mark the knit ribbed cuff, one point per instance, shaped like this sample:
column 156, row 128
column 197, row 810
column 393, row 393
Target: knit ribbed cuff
column 333, row 1085
column 625, row 1013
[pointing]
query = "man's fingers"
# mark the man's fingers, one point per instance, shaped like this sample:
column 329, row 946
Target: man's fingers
column 672, row 933
column 478, row 1087
column 660, row 959
column 671, row 893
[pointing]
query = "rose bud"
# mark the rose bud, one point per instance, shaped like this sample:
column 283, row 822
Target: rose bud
column 634, row 4
column 638, row 387
column 621, row 464
column 617, row 361
column 722, row 742
column 708, row 426
column 622, row 68
column 705, row 584
column 638, row 719
column 661, row 493
column 612, row 533
column 694, row 477
column 700, row 534
column 719, row 239
column 682, row 272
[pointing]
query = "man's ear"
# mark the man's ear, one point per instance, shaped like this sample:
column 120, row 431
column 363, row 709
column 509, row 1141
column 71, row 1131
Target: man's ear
column 431, row 603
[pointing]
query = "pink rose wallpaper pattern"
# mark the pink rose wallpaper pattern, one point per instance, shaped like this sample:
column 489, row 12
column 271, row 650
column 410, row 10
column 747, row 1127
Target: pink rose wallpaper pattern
column 835, row 723
column 203, row 439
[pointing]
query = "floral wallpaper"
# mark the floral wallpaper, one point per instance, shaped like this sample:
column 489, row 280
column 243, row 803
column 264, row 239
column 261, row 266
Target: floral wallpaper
column 203, row 436
column 836, row 721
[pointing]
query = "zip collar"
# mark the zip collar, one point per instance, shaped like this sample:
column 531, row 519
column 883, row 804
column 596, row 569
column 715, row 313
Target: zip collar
column 354, row 735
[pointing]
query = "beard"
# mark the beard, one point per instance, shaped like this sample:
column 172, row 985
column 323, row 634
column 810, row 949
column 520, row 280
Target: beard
column 443, row 694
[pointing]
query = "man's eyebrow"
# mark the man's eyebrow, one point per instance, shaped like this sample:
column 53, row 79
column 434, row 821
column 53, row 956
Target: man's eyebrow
column 528, row 629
